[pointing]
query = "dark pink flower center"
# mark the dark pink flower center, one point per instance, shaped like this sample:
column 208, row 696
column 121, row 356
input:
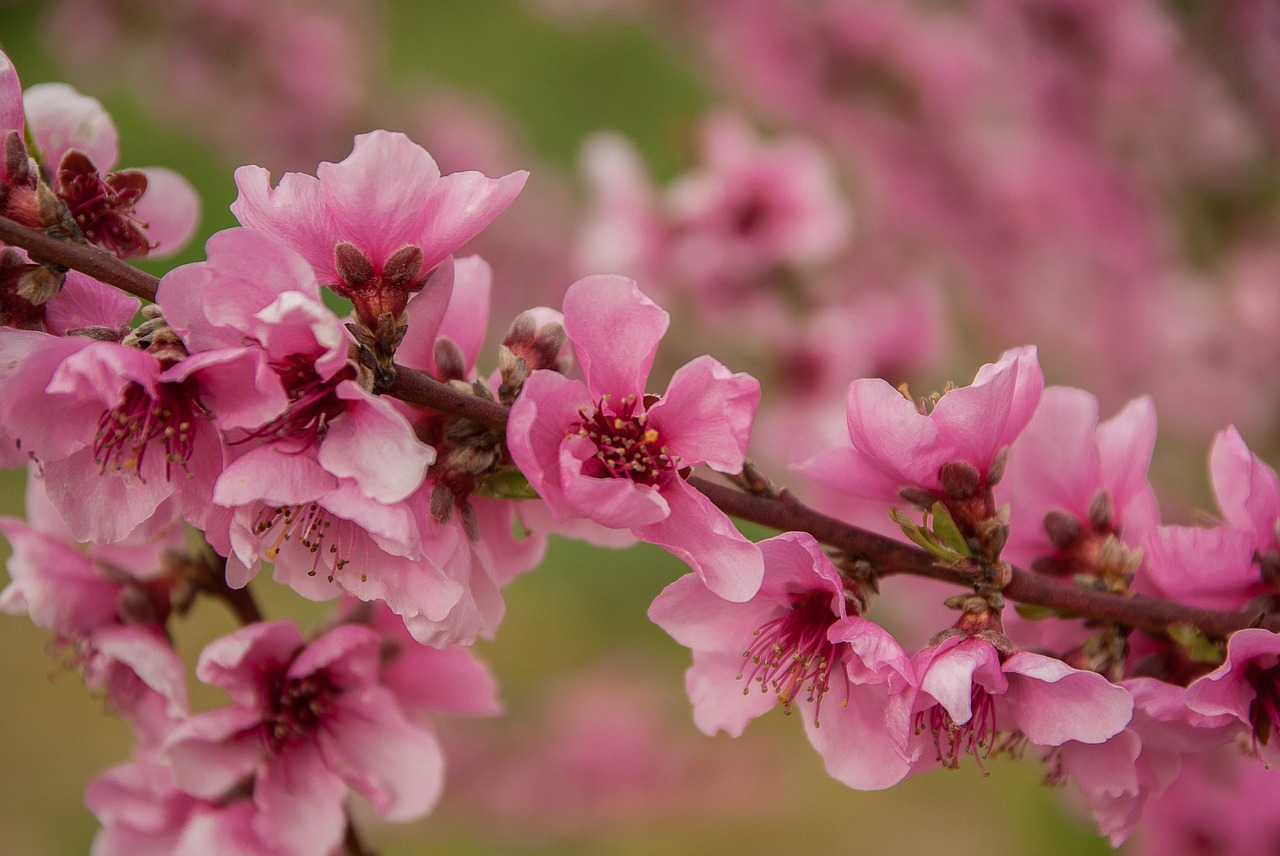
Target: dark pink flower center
column 328, row 538
column 976, row 737
column 313, row 401
column 626, row 447
column 791, row 654
column 1264, row 710
column 126, row 431
column 297, row 707
column 103, row 207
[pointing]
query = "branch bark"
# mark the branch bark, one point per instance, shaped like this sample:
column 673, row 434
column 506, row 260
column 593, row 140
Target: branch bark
column 784, row 513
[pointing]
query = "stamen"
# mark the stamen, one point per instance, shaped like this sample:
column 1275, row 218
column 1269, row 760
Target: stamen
column 126, row 431
column 791, row 654
column 977, row 737
column 626, row 447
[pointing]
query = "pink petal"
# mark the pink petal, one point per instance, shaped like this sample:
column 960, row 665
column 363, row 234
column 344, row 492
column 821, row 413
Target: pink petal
column 85, row 302
column 10, row 97
column 616, row 502
column 347, row 654
column 238, row 661
column 699, row 619
column 109, row 507
column 977, row 421
column 948, row 673
column 892, row 435
column 1247, row 490
column 222, row 376
column 467, row 317
column 1125, row 443
column 701, row 535
column 61, row 119
column 396, row 764
column 300, row 801
column 1054, row 703
column 548, row 405
column 459, row 207
column 860, row 744
column 372, row 444
column 706, row 414
column 210, row 753
column 171, row 210
column 272, row 476
column 294, row 214
column 453, row 680
column 425, row 310
column 149, row 657
column 615, row 330
column 722, row 701
column 378, row 195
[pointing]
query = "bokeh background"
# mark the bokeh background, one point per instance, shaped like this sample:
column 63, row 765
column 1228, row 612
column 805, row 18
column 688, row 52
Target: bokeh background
column 1099, row 182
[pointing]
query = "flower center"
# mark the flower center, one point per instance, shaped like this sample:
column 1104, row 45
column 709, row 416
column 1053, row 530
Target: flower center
column 298, row 707
column 626, row 447
column 1264, row 710
column 126, row 431
column 313, row 401
column 104, row 207
column 977, row 737
column 329, row 539
column 791, row 654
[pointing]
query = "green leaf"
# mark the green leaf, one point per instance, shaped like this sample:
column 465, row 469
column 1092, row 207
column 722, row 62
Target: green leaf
column 1035, row 612
column 506, row 484
column 1194, row 642
column 946, row 531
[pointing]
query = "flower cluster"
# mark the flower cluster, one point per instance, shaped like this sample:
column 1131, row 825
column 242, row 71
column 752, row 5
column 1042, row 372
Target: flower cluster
column 362, row 454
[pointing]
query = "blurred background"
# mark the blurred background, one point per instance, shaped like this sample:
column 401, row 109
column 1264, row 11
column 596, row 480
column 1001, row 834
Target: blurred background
column 910, row 188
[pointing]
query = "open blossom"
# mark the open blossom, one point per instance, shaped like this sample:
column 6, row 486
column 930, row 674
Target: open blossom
column 1247, row 687
column 851, row 681
column 971, row 694
column 1247, row 490
column 308, row 721
column 107, row 608
column 129, row 212
column 606, row 451
column 1119, row 776
column 897, row 445
column 375, row 226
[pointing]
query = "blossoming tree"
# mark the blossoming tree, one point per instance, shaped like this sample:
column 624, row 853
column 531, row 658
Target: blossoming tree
column 184, row 434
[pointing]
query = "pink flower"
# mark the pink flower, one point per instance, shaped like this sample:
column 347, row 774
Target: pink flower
column 144, row 814
column 1247, row 490
column 606, row 451
column 1215, row 568
column 802, row 648
column 1119, row 776
column 970, row 695
column 308, row 720
column 1247, row 687
column 896, row 444
column 1079, row 500
column 128, row 212
column 376, row 225
column 107, row 608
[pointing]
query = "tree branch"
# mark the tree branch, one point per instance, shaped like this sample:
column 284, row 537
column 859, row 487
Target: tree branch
column 784, row 513
column 87, row 259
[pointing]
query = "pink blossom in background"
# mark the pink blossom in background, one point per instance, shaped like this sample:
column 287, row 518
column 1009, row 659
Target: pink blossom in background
column 1120, row 776
column 283, row 83
column 307, row 722
column 603, row 450
column 1222, row 803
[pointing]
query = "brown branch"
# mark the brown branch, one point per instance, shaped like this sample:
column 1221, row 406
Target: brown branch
column 784, row 513
column 87, row 259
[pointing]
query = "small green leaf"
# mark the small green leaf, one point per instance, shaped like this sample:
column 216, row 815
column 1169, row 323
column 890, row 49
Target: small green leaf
column 1194, row 642
column 923, row 538
column 1035, row 612
column 506, row 484
column 946, row 531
